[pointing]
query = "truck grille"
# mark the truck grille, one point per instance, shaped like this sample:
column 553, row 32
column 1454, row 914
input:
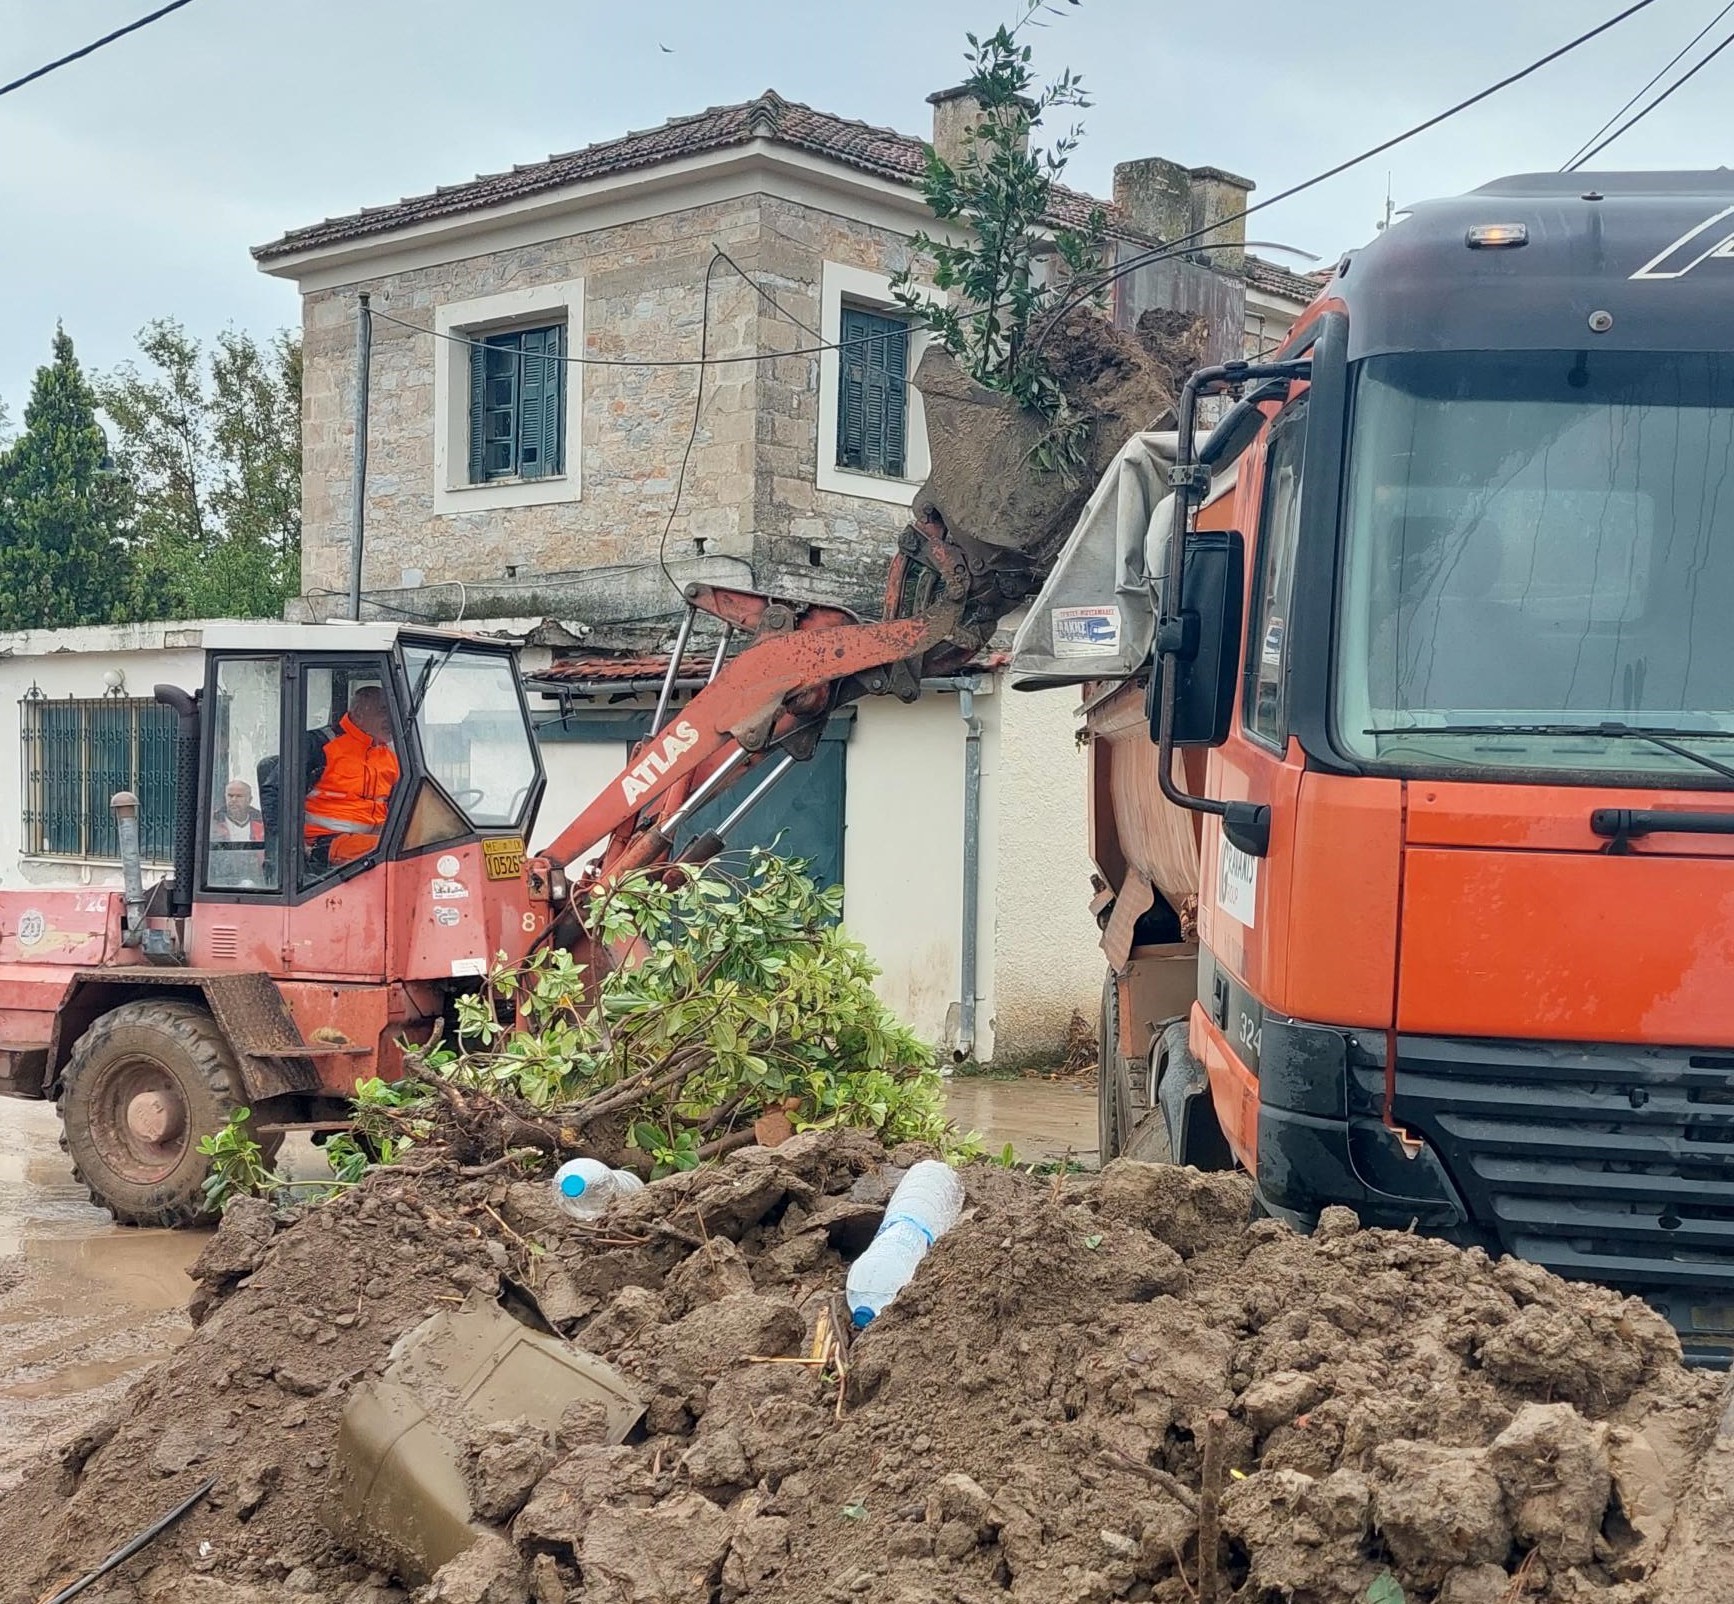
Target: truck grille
column 1611, row 1164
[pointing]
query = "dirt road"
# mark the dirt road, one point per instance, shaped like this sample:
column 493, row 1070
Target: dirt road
column 83, row 1306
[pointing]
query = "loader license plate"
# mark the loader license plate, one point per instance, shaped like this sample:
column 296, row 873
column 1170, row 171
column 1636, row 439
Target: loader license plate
column 504, row 858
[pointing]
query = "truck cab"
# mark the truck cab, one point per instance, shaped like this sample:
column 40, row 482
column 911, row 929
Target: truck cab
column 1463, row 838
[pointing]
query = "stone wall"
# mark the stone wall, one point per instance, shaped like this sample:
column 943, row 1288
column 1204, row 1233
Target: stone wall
column 750, row 485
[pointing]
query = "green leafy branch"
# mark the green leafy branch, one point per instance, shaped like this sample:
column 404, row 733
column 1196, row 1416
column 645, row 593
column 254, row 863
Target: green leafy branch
column 1004, row 266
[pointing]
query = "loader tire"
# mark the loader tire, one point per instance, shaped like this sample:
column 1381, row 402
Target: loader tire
column 144, row 1084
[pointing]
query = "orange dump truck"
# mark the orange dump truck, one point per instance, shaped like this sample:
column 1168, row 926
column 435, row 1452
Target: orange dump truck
column 1412, row 763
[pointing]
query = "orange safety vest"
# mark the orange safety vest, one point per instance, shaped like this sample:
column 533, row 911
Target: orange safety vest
column 349, row 799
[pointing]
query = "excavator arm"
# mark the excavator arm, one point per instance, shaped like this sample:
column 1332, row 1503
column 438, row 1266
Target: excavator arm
column 944, row 597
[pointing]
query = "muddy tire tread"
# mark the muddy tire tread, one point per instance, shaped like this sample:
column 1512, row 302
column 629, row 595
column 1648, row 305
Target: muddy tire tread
column 207, row 1055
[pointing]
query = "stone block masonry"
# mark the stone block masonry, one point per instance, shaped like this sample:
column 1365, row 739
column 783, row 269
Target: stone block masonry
column 750, row 487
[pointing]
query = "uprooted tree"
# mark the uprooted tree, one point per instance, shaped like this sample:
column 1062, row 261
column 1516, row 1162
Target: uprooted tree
column 996, row 262
column 742, row 1012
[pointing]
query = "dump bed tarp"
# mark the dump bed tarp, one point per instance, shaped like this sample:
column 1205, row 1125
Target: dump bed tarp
column 1096, row 618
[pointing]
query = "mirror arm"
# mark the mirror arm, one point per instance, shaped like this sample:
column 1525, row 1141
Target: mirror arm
column 1246, row 824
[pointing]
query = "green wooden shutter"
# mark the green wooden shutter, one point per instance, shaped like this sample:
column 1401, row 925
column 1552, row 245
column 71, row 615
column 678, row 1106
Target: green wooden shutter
column 852, row 362
column 872, row 394
column 539, row 403
column 896, row 371
column 478, row 390
column 554, row 402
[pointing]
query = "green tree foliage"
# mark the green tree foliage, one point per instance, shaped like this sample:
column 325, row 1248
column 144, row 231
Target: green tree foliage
column 212, row 442
column 64, row 514
column 745, row 998
column 1009, row 267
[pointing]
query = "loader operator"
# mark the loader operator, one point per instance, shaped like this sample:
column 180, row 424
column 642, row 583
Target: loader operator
column 346, row 804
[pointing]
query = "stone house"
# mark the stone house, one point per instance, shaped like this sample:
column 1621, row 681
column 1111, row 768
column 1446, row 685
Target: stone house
column 540, row 443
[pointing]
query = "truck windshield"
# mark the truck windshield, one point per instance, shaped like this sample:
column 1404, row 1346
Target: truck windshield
column 470, row 717
column 1539, row 544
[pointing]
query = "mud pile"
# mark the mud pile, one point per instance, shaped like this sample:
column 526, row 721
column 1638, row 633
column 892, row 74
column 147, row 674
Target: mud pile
column 1031, row 1420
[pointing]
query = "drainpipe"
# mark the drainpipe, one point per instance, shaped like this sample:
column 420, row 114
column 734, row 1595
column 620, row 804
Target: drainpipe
column 357, row 509
column 965, row 1043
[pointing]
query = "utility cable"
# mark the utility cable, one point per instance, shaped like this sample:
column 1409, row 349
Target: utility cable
column 697, row 412
column 94, row 46
column 657, row 362
column 1633, row 121
column 1100, row 282
column 1583, row 151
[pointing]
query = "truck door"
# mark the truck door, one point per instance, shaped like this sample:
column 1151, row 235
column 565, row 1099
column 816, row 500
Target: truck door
column 1242, row 902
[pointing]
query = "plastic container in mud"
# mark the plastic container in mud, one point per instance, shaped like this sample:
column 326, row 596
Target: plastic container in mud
column 585, row 1187
column 926, row 1205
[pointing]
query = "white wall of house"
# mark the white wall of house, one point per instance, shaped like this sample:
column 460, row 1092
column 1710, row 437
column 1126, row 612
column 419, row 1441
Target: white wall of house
column 1047, row 956
column 75, row 663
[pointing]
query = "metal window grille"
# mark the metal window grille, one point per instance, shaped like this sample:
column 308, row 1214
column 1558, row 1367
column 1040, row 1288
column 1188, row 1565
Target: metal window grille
column 518, row 405
column 76, row 754
column 872, row 393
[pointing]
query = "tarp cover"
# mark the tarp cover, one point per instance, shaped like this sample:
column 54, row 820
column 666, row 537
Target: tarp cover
column 1095, row 618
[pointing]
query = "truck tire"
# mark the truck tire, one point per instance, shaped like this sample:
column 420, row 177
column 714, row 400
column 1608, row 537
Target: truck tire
column 1126, row 1124
column 144, row 1084
column 1112, row 1090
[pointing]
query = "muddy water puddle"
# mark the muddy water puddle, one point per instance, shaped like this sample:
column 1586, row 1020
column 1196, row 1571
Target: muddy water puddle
column 1043, row 1120
column 84, row 1305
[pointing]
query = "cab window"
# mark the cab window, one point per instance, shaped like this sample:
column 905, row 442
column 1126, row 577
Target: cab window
column 241, row 846
column 350, row 766
column 1263, row 701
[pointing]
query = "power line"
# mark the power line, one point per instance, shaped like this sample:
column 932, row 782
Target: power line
column 1632, row 122
column 660, row 362
column 94, row 46
column 697, row 412
column 1582, row 152
column 1175, row 247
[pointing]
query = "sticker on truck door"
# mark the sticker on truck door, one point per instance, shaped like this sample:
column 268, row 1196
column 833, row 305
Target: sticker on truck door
column 1237, row 884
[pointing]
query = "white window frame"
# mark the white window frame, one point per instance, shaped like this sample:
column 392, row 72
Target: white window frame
column 494, row 314
column 840, row 284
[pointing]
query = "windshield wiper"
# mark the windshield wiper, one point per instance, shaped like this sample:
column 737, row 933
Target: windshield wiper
column 429, row 672
column 1666, row 739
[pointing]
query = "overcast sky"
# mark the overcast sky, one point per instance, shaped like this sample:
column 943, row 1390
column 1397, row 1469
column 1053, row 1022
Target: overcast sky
column 133, row 183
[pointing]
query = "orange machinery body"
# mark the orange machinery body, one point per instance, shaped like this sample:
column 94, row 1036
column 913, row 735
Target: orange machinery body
column 314, row 976
column 1469, row 1002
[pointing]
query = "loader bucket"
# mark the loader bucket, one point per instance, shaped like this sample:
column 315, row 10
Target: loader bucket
column 984, row 480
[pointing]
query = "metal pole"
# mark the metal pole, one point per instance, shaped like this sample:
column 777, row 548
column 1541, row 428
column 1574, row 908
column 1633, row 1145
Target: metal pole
column 674, row 661
column 746, row 807
column 971, row 868
column 722, row 650
column 357, row 510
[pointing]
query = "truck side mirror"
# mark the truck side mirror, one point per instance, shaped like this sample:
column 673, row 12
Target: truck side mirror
column 1201, row 647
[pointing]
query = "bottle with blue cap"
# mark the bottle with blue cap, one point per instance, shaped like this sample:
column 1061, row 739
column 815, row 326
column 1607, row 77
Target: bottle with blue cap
column 926, row 1204
column 584, row 1187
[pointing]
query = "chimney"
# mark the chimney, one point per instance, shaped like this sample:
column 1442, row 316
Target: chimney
column 1169, row 201
column 1216, row 195
column 1156, row 194
column 956, row 112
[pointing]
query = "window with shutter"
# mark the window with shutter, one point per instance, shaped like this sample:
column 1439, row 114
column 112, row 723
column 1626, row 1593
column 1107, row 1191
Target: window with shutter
column 77, row 753
column 872, row 393
column 518, row 405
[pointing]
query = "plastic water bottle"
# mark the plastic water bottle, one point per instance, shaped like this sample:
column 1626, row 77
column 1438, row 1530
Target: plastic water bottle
column 584, row 1187
column 926, row 1205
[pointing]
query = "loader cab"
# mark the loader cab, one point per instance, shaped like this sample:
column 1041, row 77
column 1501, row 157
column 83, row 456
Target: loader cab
column 330, row 752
